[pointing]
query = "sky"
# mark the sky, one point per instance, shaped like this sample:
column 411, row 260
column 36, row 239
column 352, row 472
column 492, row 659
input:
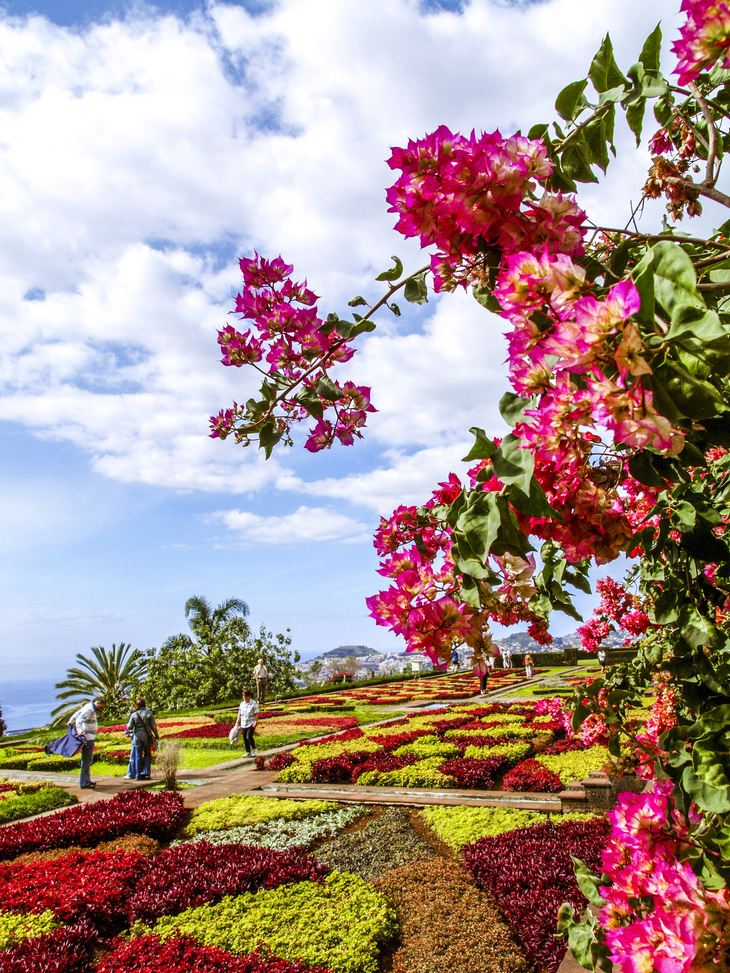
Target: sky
column 143, row 149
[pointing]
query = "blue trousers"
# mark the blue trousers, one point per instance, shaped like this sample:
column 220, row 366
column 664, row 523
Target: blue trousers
column 87, row 753
column 140, row 758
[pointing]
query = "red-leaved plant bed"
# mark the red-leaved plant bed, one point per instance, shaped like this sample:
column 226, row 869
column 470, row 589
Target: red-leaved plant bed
column 530, row 873
column 565, row 746
column 354, row 733
column 132, row 812
column 338, row 770
column 195, row 873
column 146, row 954
column 121, row 727
column 67, row 950
column 397, row 740
column 280, row 761
column 531, row 775
column 481, row 774
column 384, row 762
column 207, row 731
column 479, row 741
column 94, row 886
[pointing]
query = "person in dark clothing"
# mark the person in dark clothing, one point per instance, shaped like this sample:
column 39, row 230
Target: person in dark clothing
column 143, row 730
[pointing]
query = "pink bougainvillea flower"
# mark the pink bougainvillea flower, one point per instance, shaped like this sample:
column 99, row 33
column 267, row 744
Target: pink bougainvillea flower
column 704, row 38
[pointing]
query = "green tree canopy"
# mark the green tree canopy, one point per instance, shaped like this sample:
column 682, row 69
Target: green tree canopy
column 217, row 663
column 113, row 674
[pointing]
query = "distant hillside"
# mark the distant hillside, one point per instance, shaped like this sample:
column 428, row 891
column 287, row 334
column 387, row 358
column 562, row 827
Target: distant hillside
column 522, row 642
column 345, row 651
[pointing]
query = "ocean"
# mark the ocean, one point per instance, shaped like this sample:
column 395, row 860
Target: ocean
column 27, row 695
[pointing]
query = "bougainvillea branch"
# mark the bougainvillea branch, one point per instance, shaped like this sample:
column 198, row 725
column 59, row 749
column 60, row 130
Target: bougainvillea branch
column 617, row 437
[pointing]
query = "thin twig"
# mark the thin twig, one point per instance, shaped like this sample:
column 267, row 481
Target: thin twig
column 711, row 133
column 717, row 286
column 334, row 347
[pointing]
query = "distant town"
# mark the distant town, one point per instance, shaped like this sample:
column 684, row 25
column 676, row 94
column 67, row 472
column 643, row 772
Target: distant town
column 362, row 662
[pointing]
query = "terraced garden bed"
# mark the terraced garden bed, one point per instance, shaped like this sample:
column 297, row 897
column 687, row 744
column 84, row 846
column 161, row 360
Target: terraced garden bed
column 515, row 747
column 255, row 885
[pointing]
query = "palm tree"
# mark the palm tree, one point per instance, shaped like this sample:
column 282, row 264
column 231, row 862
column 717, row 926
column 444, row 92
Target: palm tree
column 206, row 622
column 113, row 675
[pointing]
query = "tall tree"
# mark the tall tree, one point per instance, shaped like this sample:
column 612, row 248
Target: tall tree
column 113, row 674
column 206, row 622
column 216, row 663
column 3, row 725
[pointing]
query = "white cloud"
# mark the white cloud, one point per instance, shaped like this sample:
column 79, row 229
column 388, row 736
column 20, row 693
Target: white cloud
column 305, row 524
column 231, row 132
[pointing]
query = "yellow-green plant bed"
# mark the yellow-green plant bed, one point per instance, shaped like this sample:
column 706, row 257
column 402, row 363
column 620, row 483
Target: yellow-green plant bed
column 241, row 809
column 340, row 923
column 458, row 826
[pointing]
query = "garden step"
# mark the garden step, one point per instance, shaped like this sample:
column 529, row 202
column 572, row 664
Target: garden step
column 422, row 796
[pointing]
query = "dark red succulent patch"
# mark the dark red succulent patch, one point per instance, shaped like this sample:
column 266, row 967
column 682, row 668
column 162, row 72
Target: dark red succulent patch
column 146, row 954
column 531, row 775
column 67, row 950
column 530, row 873
column 280, row 761
column 194, row 873
column 338, row 770
column 132, row 812
column 481, row 774
column 384, row 762
column 565, row 746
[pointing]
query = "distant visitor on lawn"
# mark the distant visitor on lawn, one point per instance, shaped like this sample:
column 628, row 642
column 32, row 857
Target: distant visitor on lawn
column 261, row 675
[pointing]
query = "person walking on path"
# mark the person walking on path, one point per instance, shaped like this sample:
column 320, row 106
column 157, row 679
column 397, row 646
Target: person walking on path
column 248, row 715
column 528, row 664
column 143, row 730
column 261, row 675
column 483, row 678
column 87, row 726
column 507, row 657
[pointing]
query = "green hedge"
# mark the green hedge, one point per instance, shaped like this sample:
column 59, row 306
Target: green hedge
column 55, row 763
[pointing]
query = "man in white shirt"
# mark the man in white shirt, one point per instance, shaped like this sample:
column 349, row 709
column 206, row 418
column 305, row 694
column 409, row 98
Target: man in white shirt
column 87, row 726
column 248, row 715
column 261, row 675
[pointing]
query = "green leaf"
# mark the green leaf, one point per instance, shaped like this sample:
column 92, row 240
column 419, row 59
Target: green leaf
column 534, row 504
column 327, row 389
column 696, row 323
column 416, row 290
column 577, row 164
column 684, row 516
column 308, row 398
column 357, row 301
column 512, row 407
column 675, row 281
column 652, row 49
column 485, row 297
column 514, row 464
column 703, row 545
column 588, row 882
column 394, row 273
column 635, row 117
column 483, row 447
column 666, row 609
column 604, row 72
column 641, row 468
column 712, row 799
column 570, row 101
column 694, row 397
column 268, row 437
